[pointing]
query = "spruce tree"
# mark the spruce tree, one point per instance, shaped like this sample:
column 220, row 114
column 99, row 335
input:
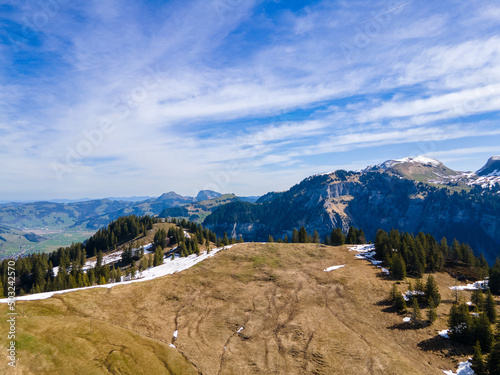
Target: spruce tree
column 315, row 238
column 494, row 360
column 477, row 298
column 482, row 332
column 478, row 364
column 489, row 307
column 158, row 257
column 416, row 314
column 432, row 291
column 303, row 235
column 431, row 314
column 295, row 236
column 400, row 303
column 270, row 239
column 393, row 293
column 398, row 268
column 225, row 240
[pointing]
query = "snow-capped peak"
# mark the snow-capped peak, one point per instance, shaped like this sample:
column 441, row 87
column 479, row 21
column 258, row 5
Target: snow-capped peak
column 424, row 160
column 491, row 168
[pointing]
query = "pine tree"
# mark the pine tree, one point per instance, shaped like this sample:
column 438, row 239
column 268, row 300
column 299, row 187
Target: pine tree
column 478, row 364
column 416, row 314
column 432, row 291
column 393, row 293
column 352, row 236
column 360, row 238
column 398, row 268
column 102, row 280
column 315, row 238
column 158, row 257
column 400, row 303
column 482, row 332
column 489, row 307
column 183, row 249
column 286, row 240
column 99, row 259
column 225, row 240
column 270, row 239
column 494, row 360
column 477, row 298
column 295, row 236
column 431, row 314
column 303, row 235
column 207, row 245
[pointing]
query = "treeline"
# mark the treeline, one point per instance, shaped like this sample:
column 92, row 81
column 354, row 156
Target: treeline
column 337, row 237
column 404, row 253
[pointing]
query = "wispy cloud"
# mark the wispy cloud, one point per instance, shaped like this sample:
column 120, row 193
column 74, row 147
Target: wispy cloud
column 263, row 92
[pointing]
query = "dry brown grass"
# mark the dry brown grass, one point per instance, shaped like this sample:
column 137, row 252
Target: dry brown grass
column 297, row 319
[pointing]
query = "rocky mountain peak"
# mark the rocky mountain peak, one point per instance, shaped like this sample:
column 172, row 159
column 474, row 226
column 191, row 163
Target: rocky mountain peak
column 491, row 168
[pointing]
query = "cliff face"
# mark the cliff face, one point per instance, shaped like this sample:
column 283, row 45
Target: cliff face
column 368, row 200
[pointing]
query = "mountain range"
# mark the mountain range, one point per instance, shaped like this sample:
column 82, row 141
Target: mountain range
column 411, row 194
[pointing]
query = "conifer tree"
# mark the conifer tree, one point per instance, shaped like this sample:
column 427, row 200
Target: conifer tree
column 398, row 268
column 303, row 235
column 225, row 240
column 400, row 303
column 416, row 313
column 270, row 239
column 183, row 249
column 432, row 291
column 286, row 240
column 360, row 238
column 99, row 259
column 478, row 364
column 158, row 257
column 394, row 292
column 489, row 307
column 352, row 236
column 477, row 298
column 432, row 313
column 207, row 245
column 295, row 236
column 482, row 332
column 315, row 238
column 494, row 360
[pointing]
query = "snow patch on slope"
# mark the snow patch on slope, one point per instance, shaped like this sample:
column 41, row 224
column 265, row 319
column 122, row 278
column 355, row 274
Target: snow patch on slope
column 170, row 267
column 464, row 368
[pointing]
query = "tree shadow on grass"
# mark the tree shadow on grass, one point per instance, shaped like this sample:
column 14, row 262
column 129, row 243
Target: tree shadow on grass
column 410, row 325
column 445, row 346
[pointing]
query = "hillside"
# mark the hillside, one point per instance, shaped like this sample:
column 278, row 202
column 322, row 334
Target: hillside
column 254, row 308
column 198, row 211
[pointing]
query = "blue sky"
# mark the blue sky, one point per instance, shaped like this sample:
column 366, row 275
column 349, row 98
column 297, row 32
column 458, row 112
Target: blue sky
column 121, row 98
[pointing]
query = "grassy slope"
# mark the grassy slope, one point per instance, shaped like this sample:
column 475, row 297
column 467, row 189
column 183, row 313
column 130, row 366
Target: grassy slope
column 297, row 318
